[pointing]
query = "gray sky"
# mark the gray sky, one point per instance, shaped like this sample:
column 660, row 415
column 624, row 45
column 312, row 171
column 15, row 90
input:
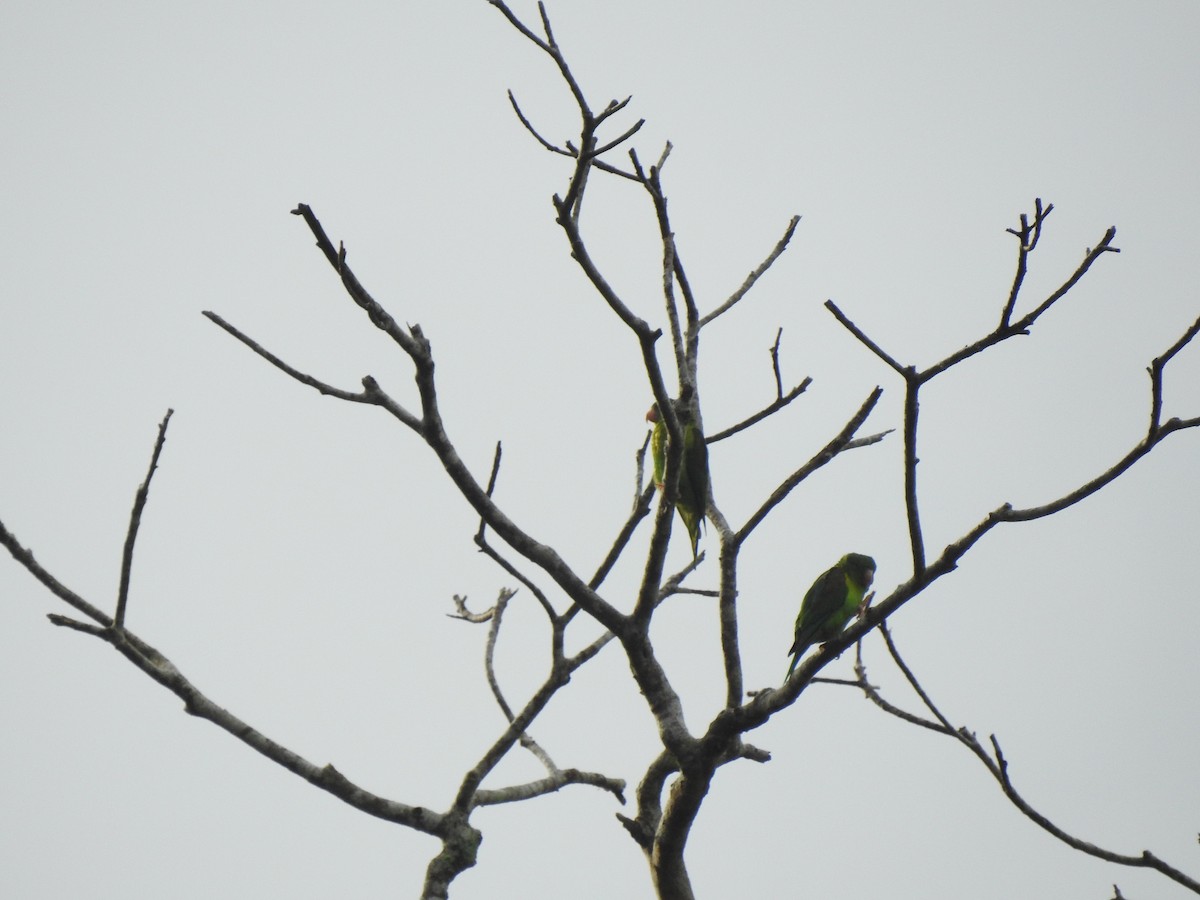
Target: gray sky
column 298, row 554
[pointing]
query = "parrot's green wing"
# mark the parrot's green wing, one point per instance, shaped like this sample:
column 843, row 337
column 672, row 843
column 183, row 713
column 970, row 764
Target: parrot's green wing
column 658, row 450
column 823, row 600
column 692, row 499
column 830, row 603
column 693, row 483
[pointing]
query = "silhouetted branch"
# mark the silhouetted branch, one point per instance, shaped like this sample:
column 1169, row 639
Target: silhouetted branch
column 371, row 394
column 487, row 549
column 861, row 335
column 775, row 363
column 1028, row 236
column 997, row 765
column 781, row 399
column 135, row 521
column 24, row 556
column 640, row 510
column 557, row 780
column 757, row 273
column 826, row 454
column 649, row 802
column 757, row 417
column 553, row 148
column 1156, row 375
column 620, row 139
column 489, row 662
column 462, row 612
column 76, row 625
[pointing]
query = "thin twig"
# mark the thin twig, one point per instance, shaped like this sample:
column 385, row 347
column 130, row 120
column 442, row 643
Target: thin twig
column 771, row 408
column 861, row 335
column 135, row 521
column 553, row 148
column 557, row 780
column 489, row 664
column 1156, row 374
column 775, row 364
column 757, row 273
column 825, row 455
column 322, row 387
column 24, row 556
column 997, row 765
column 1027, row 237
column 76, row 625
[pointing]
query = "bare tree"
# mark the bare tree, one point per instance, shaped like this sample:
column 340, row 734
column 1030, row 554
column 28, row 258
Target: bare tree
column 674, row 784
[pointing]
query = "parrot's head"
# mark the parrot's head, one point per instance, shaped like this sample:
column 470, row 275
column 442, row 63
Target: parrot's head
column 652, row 414
column 860, row 568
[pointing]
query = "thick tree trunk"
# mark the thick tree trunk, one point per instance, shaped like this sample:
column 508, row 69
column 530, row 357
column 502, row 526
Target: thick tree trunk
column 667, row 866
column 460, row 846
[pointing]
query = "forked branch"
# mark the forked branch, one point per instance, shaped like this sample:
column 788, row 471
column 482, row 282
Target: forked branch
column 996, row 764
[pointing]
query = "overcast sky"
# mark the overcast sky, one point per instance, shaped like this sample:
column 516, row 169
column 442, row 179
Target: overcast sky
column 298, row 554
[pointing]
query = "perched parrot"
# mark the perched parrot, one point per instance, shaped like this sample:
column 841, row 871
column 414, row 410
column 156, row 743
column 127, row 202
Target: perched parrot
column 692, row 501
column 830, row 602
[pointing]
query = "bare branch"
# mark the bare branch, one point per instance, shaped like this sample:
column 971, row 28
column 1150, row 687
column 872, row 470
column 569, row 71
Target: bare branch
column 912, row 679
column 861, row 335
column 649, row 801
column 58, row 589
column 463, row 613
column 580, row 254
column 1022, row 325
column 489, row 659
column 775, row 363
column 1104, row 478
column 1027, row 236
column 559, row 779
column 466, row 798
column 432, row 430
column 781, row 399
column 678, row 342
column 485, row 547
column 1145, row 859
column 872, row 694
column 826, row 454
column 614, row 107
column 622, row 138
column 76, row 625
column 912, row 409
column 519, row 25
column 360, row 397
column 135, row 521
column 1093, row 254
column 414, row 343
column 162, row 670
column 757, row 273
column 1156, row 375
column 553, row 148
column 489, row 664
column 640, row 510
column 569, row 151
column 774, row 407
column 997, row 765
column 690, row 337
column 409, row 341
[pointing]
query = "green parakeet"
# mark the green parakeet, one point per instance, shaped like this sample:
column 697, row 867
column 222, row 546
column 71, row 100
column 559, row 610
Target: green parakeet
column 830, row 603
column 692, row 501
